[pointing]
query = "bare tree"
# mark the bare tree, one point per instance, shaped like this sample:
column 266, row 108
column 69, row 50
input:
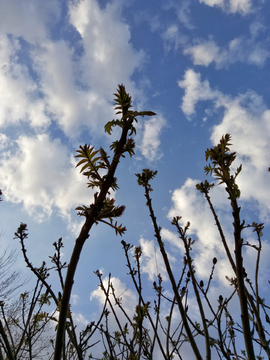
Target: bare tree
column 103, row 209
column 146, row 334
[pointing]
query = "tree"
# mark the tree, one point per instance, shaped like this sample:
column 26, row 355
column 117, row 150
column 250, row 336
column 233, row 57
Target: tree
column 25, row 325
column 254, row 312
column 23, row 321
column 103, row 209
column 147, row 334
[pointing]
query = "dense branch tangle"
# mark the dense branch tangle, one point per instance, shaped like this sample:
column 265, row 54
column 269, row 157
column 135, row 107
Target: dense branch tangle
column 100, row 172
column 250, row 303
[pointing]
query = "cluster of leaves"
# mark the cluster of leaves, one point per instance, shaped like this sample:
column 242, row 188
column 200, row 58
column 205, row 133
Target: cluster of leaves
column 221, row 161
column 95, row 164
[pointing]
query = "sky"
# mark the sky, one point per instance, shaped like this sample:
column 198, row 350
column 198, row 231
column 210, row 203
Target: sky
column 201, row 65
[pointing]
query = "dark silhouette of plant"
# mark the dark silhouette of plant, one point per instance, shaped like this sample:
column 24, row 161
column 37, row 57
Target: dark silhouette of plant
column 103, row 209
column 251, row 304
column 23, row 320
column 25, row 324
column 146, row 334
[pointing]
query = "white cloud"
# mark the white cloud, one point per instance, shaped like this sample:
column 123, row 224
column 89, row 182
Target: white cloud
column 78, row 93
column 28, row 19
column 42, row 80
column 52, row 83
column 40, row 174
column 80, row 320
column 246, row 118
column 255, row 28
column 196, row 90
column 69, row 105
column 191, row 205
column 109, row 58
column 150, row 141
column 232, row 6
column 173, row 238
column 20, row 99
column 205, row 52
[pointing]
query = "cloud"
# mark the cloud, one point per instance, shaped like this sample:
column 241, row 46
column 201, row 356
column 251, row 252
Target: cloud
column 232, row 6
column 70, row 105
column 192, row 207
column 150, row 141
column 80, row 320
column 246, row 118
column 241, row 49
column 256, row 28
column 196, row 90
column 173, row 238
column 204, row 53
column 28, row 19
column 20, row 98
column 43, row 79
column 39, row 173
column 4, row 141
column 109, row 58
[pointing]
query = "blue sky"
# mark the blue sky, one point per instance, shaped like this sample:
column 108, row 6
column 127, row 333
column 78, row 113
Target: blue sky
column 202, row 66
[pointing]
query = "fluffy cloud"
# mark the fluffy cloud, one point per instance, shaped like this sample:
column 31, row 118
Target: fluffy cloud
column 150, row 141
column 246, row 118
column 40, row 174
column 191, row 205
column 232, row 6
column 109, row 58
column 196, row 90
column 69, row 104
column 43, row 79
column 205, row 52
column 28, row 19
column 20, row 99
